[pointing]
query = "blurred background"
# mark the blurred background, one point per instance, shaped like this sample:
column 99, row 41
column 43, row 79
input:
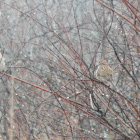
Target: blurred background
column 48, row 90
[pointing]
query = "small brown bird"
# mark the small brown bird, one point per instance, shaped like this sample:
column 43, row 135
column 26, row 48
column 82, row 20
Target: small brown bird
column 2, row 63
column 104, row 73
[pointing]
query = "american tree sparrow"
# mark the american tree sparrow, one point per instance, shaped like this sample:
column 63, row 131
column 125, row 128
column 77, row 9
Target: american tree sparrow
column 104, row 73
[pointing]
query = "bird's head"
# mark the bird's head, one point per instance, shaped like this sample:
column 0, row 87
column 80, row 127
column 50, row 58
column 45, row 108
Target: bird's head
column 102, row 62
